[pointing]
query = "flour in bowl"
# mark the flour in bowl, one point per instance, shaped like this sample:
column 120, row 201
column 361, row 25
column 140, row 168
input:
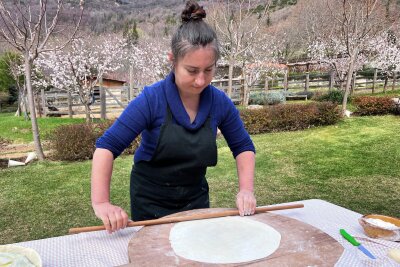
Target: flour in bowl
column 382, row 224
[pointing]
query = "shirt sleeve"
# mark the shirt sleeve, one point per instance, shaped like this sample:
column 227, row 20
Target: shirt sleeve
column 233, row 130
column 133, row 120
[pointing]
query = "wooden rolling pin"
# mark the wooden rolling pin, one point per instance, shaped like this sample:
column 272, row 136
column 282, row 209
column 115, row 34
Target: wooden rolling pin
column 191, row 217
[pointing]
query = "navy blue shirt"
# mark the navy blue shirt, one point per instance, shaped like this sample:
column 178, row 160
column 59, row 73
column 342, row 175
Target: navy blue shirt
column 146, row 113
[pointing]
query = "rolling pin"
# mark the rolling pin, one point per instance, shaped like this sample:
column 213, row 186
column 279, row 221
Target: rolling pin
column 183, row 218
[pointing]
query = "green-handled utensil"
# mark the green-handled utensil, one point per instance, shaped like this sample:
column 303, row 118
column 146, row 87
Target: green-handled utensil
column 354, row 242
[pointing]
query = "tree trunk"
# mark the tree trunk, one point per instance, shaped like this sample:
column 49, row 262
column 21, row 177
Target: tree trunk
column 374, row 81
column 230, row 77
column 394, row 80
column 386, row 82
column 131, row 94
column 331, row 80
column 341, row 85
column 25, row 107
column 18, row 113
column 70, row 112
column 43, row 99
column 285, row 80
column 103, row 101
column 353, row 84
column 35, row 128
column 87, row 112
column 38, row 106
column 348, row 84
column 246, row 91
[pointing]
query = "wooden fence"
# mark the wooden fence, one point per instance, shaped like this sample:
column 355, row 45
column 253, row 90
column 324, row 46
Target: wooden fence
column 108, row 100
column 104, row 100
column 311, row 82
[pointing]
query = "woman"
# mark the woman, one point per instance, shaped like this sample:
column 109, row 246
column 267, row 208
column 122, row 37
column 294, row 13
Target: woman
column 178, row 119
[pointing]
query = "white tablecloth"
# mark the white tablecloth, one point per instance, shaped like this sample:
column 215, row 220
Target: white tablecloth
column 101, row 249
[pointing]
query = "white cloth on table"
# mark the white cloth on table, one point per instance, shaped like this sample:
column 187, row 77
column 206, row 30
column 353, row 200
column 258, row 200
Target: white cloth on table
column 101, row 249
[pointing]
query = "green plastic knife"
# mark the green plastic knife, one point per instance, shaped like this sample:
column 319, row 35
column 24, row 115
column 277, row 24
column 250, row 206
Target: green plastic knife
column 354, row 242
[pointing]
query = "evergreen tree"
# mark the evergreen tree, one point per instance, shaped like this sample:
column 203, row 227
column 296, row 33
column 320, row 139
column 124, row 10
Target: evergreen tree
column 7, row 82
column 130, row 33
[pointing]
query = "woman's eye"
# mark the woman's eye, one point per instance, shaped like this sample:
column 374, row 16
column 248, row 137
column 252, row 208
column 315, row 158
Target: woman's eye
column 192, row 71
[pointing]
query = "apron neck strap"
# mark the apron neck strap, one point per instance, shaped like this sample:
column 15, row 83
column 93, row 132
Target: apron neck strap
column 168, row 116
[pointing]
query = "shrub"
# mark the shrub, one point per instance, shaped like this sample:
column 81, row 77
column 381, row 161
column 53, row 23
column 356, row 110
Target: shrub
column 77, row 141
column 290, row 117
column 309, row 94
column 73, row 142
column 257, row 98
column 334, row 96
column 269, row 98
column 371, row 105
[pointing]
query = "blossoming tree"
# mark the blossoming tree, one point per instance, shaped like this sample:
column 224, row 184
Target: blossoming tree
column 28, row 27
column 80, row 68
column 352, row 25
column 147, row 60
column 386, row 55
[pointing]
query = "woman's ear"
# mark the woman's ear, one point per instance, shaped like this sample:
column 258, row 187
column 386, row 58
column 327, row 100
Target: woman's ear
column 171, row 57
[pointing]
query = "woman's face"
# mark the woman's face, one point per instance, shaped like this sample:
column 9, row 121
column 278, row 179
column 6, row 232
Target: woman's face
column 195, row 70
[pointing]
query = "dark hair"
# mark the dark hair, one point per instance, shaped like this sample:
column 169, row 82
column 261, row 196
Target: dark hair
column 193, row 32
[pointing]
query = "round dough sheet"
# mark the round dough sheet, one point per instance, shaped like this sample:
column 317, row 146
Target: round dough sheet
column 224, row 240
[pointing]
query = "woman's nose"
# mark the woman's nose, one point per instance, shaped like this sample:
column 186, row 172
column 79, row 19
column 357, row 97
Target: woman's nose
column 200, row 80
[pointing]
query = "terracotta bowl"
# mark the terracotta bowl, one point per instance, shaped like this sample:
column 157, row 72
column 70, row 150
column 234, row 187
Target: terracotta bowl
column 375, row 231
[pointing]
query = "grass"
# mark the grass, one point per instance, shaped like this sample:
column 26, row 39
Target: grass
column 389, row 92
column 19, row 130
column 355, row 164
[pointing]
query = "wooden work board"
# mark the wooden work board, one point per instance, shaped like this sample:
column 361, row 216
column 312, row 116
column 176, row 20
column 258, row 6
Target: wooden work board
column 301, row 245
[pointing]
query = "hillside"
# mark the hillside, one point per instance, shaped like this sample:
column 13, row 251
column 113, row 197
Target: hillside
column 110, row 16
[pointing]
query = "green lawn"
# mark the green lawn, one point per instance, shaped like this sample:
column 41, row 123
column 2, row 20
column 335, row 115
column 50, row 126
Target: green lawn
column 18, row 130
column 389, row 92
column 355, row 164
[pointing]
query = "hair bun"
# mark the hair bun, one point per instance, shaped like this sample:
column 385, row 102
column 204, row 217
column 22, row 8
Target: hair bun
column 193, row 12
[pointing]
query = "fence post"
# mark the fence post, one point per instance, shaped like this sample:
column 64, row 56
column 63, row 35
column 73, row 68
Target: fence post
column 69, row 104
column 128, row 93
column 102, row 100
column 331, row 80
column 266, row 88
column 307, row 85
column 43, row 97
column 38, row 104
column 374, row 81
column 246, row 93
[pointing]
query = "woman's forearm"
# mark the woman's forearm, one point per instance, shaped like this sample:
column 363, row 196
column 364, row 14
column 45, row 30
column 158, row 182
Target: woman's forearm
column 102, row 166
column 245, row 163
column 245, row 199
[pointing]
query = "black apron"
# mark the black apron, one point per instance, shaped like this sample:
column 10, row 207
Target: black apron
column 174, row 179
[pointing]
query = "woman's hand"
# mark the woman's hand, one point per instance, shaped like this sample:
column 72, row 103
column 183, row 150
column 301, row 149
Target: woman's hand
column 246, row 202
column 113, row 217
